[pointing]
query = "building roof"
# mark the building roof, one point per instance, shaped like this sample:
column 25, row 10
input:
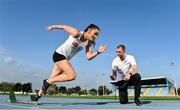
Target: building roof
column 152, row 81
column 156, row 80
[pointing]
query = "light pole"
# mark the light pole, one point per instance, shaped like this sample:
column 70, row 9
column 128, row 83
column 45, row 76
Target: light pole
column 97, row 85
column 173, row 72
column 103, row 84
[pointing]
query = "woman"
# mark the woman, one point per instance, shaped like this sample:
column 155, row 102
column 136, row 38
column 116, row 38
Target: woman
column 63, row 70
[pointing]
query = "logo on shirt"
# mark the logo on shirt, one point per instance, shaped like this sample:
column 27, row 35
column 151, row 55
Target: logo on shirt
column 75, row 44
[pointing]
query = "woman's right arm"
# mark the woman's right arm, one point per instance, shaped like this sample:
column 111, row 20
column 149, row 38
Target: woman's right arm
column 72, row 31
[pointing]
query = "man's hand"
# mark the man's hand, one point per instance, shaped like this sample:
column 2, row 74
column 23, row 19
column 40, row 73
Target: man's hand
column 127, row 77
column 112, row 77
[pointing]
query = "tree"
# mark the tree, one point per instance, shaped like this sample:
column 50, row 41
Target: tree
column 18, row 87
column 103, row 90
column 178, row 91
column 93, row 91
column 77, row 89
column 81, row 92
column 62, row 89
column 108, row 91
column 27, row 87
column 53, row 89
column 85, row 92
column 72, row 90
column 69, row 91
column 5, row 86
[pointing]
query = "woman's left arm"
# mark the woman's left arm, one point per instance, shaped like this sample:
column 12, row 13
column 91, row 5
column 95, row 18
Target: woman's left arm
column 90, row 54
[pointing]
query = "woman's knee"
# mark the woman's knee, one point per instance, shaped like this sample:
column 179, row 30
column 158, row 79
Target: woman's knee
column 71, row 76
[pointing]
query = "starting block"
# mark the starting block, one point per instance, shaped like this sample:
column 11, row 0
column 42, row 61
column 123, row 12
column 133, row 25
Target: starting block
column 33, row 98
column 12, row 99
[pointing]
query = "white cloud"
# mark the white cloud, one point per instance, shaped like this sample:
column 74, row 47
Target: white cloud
column 9, row 60
column 12, row 70
column 5, row 57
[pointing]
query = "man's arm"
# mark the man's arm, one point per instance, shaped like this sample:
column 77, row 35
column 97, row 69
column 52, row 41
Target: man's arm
column 134, row 71
column 134, row 66
column 72, row 31
column 114, row 70
column 114, row 75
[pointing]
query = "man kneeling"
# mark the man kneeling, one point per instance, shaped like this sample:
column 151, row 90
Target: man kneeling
column 127, row 75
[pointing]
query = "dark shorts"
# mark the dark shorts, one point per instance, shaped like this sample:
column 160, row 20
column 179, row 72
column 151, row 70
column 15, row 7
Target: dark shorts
column 58, row 57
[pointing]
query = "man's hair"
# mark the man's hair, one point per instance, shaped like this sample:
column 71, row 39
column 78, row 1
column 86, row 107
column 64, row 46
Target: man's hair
column 122, row 46
column 92, row 26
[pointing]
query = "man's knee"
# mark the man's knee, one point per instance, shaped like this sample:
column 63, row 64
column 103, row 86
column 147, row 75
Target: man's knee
column 137, row 77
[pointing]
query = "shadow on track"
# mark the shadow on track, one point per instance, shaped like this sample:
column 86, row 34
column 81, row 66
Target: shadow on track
column 94, row 103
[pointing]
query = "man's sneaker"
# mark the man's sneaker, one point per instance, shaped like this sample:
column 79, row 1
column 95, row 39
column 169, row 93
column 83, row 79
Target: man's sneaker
column 45, row 86
column 137, row 102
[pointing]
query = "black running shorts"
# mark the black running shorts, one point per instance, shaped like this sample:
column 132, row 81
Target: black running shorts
column 58, row 57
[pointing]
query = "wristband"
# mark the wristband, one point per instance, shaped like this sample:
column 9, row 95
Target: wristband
column 98, row 52
column 130, row 74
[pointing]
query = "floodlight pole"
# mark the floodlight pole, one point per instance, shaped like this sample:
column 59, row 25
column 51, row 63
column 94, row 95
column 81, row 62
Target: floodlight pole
column 103, row 84
column 173, row 65
column 97, row 84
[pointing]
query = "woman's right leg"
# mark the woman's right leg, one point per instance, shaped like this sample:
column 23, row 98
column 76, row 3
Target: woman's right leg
column 55, row 72
column 67, row 72
column 62, row 71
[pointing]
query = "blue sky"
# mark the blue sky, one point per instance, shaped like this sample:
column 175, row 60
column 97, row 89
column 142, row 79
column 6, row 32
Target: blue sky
column 148, row 28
